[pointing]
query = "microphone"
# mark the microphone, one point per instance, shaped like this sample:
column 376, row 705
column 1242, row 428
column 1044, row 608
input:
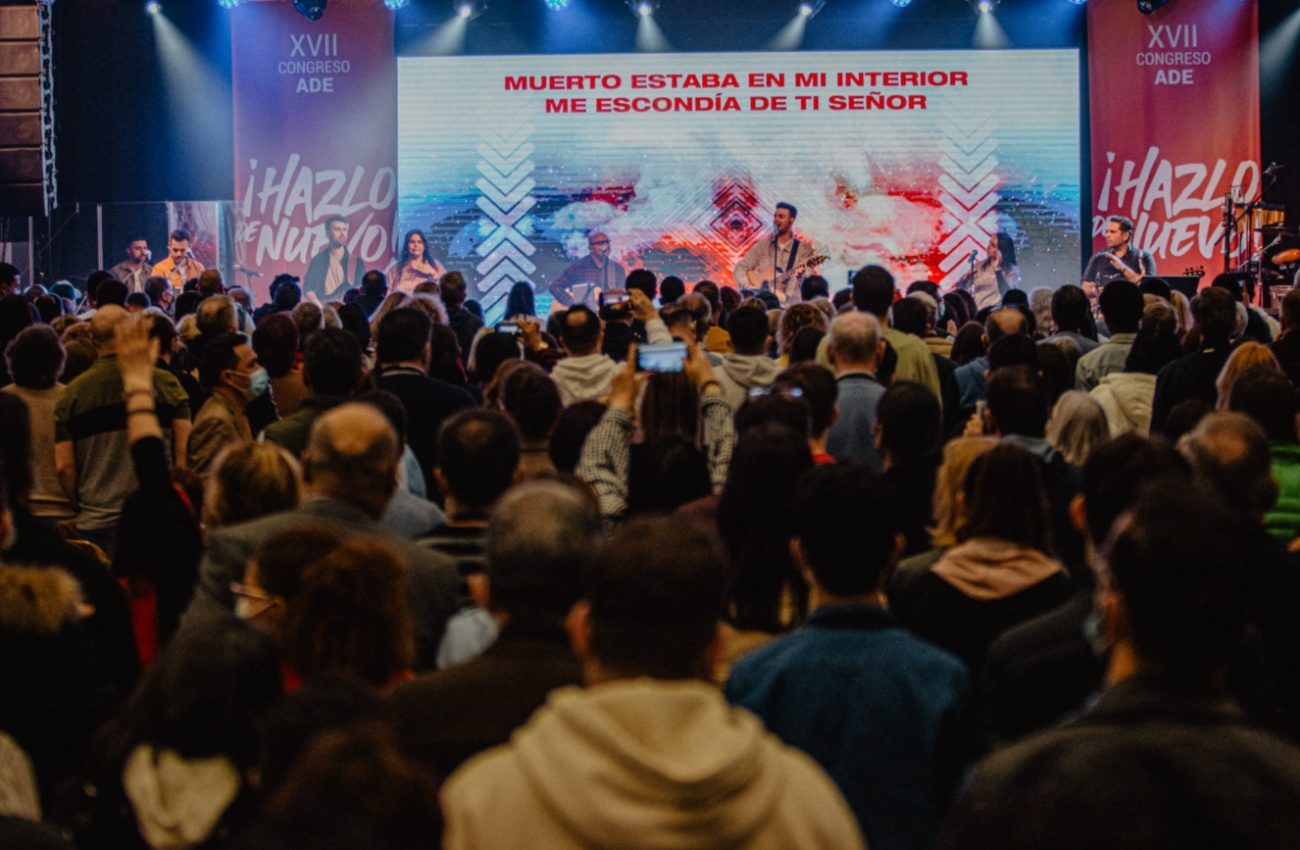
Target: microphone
column 245, row 270
column 973, row 255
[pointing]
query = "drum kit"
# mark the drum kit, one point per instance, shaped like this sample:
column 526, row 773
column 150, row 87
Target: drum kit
column 1275, row 266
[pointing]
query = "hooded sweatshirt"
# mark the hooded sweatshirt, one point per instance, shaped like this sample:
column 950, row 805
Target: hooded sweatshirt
column 584, row 378
column 644, row 764
column 742, row 372
column 978, row 590
column 587, row 377
column 177, row 801
column 1126, row 398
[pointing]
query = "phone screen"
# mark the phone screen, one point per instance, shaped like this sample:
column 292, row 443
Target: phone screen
column 667, row 357
column 511, row 328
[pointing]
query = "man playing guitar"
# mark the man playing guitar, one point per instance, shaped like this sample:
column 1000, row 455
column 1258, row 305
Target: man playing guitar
column 779, row 263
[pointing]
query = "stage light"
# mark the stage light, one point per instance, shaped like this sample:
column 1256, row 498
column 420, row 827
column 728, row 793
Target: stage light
column 902, row 4
column 153, row 7
column 557, row 5
column 1078, row 2
column 394, row 5
column 643, row 8
column 985, row 6
column 1146, row 7
column 809, row 8
column 229, row 4
column 468, row 10
column 310, row 9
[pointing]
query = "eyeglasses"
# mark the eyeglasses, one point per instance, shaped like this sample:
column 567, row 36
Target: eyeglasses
column 598, row 243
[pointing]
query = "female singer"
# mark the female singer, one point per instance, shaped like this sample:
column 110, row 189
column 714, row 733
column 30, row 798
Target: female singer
column 996, row 274
column 415, row 266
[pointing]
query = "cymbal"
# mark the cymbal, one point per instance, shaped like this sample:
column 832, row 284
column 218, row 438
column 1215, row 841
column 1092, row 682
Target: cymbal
column 1290, row 255
column 1276, row 230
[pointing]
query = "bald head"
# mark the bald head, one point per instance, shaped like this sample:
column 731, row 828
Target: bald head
column 352, row 456
column 1005, row 321
column 854, row 341
column 1230, row 451
column 103, row 326
column 216, row 315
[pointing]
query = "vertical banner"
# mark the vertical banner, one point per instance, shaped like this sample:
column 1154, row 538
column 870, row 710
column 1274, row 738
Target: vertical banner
column 1175, row 124
column 315, row 106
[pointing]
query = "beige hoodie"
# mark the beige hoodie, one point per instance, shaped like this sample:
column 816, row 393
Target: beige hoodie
column 1126, row 398
column 644, row 764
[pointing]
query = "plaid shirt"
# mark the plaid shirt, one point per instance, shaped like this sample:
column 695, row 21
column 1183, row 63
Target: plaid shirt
column 607, row 452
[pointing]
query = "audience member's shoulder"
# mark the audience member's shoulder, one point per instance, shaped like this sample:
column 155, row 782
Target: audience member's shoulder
column 813, row 809
column 486, row 785
column 910, row 570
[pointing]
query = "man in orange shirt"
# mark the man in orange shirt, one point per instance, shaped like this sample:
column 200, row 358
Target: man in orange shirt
column 178, row 266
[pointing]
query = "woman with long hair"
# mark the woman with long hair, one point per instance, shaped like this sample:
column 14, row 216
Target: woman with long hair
column 414, row 265
column 768, row 596
column 1000, row 573
column 1243, row 357
column 997, row 273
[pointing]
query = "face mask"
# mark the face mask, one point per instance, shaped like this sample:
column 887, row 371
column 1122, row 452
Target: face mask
column 245, row 609
column 258, row 381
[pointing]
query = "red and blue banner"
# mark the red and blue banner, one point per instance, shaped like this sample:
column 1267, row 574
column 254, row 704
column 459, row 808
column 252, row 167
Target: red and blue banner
column 1175, row 122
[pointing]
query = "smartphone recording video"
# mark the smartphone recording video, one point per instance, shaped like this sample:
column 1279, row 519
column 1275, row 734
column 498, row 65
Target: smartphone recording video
column 667, row 357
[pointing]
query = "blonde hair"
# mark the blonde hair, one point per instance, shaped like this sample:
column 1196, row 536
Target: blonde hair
column 958, row 456
column 1077, row 426
column 251, row 480
column 391, row 303
column 1246, row 355
column 188, row 328
column 1182, row 311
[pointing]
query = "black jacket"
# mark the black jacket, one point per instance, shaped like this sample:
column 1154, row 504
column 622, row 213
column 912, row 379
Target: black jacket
column 428, row 402
column 446, row 717
column 1148, row 767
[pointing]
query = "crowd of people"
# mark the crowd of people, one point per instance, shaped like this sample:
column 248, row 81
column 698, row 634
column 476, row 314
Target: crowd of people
column 880, row 569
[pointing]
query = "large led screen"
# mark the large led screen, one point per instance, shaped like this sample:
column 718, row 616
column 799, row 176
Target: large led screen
column 908, row 159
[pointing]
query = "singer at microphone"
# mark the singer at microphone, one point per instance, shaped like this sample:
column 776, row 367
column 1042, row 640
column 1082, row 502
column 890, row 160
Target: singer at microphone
column 999, row 272
column 1121, row 260
column 769, row 259
column 178, row 266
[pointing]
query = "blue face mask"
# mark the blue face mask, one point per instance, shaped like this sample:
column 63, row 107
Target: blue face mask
column 258, row 381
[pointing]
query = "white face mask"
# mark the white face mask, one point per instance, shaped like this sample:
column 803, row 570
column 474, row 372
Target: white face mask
column 245, row 609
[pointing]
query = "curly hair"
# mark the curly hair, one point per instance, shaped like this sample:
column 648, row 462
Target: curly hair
column 797, row 317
